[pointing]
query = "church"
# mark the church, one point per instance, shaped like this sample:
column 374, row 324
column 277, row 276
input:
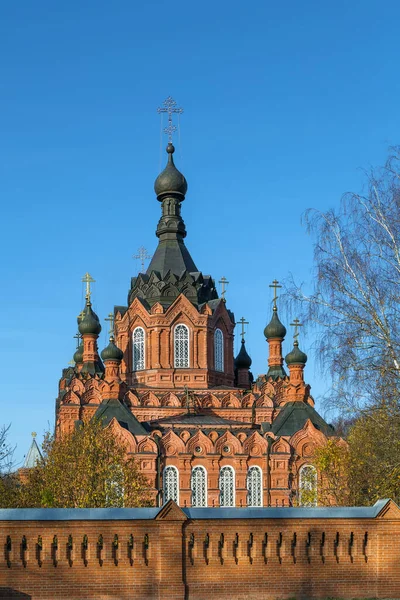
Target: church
column 202, row 429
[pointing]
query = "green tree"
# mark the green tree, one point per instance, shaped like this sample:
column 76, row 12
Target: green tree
column 86, row 469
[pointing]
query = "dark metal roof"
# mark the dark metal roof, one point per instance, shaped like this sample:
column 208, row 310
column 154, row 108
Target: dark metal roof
column 125, row 514
column 199, row 420
column 109, row 409
column 293, row 417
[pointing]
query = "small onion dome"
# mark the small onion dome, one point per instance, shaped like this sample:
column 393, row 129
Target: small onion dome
column 78, row 356
column 296, row 356
column 243, row 360
column 90, row 322
column 275, row 329
column 112, row 352
column 170, row 181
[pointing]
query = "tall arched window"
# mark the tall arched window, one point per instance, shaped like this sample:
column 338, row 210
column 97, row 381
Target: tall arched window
column 254, row 487
column 171, row 484
column 199, row 486
column 138, row 349
column 219, row 350
column 181, row 347
column 308, row 486
column 227, row 486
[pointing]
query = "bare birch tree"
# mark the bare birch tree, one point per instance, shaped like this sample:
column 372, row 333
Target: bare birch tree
column 356, row 291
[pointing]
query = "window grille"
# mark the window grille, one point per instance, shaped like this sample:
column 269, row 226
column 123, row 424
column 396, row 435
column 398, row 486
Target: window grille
column 199, row 486
column 138, row 349
column 171, row 484
column 219, row 350
column 181, row 341
column 254, row 487
column 227, row 486
column 308, row 487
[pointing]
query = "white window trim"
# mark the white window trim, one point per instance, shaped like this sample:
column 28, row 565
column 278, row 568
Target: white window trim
column 133, row 349
column 172, row 467
column 188, row 342
column 222, row 370
column 202, row 468
column 233, row 483
column 256, row 467
column 302, row 468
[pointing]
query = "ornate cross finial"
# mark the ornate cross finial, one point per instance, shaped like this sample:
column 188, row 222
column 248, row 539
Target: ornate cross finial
column 243, row 322
column 224, row 282
column 110, row 318
column 142, row 256
column 275, row 285
column 296, row 324
column 169, row 107
column 77, row 337
column 88, row 279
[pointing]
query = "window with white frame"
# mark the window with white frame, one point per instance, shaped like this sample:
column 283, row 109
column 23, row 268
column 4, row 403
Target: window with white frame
column 254, row 487
column 138, row 349
column 219, row 350
column 171, row 484
column 181, row 347
column 308, row 486
column 199, row 486
column 227, row 486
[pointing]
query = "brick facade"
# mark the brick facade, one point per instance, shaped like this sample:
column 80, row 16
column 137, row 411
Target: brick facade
column 196, row 554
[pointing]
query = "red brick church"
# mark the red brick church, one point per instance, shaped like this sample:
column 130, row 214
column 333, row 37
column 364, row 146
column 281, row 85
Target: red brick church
column 169, row 386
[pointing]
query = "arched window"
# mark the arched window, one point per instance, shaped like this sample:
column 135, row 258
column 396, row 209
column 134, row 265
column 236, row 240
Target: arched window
column 308, row 486
column 219, row 350
column 254, row 487
column 199, row 486
column 138, row 349
column 181, row 347
column 171, row 484
column 227, row 486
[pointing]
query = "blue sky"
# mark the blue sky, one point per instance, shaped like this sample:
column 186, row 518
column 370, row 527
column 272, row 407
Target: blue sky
column 284, row 103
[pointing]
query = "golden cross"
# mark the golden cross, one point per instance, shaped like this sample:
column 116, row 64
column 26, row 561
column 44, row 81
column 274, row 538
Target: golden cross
column 142, row 256
column 224, row 282
column 88, row 279
column 275, row 285
column 296, row 324
column 243, row 322
column 110, row 317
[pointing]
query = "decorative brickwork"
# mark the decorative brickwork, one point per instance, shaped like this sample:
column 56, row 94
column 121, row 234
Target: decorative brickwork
column 194, row 554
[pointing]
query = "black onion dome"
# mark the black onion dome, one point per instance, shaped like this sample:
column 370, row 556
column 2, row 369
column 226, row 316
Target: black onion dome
column 275, row 329
column 170, row 181
column 89, row 324
column 78, row 356
column 112, row 352
column 243, row 360
column 296, row 356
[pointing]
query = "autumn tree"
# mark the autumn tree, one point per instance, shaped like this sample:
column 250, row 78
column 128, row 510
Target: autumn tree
column 354, row 302
column 86, row 469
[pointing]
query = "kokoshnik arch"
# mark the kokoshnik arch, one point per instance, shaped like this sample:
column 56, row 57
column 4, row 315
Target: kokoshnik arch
column 203, row 431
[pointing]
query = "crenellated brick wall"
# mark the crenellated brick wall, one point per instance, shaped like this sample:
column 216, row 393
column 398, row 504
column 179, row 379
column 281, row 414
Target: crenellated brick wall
column 197, row 554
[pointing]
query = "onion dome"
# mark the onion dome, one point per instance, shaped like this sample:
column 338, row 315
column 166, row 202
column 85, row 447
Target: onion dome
column 243, row 360
column 170, row 181
column 89, row 324
column 112, row 352
column 296, row 356
column 275, row 329
column 78, row 356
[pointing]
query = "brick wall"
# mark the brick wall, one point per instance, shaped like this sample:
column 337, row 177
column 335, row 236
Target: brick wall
column 199, row 554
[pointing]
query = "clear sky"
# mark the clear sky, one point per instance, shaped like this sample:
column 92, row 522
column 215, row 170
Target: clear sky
column 284, row 102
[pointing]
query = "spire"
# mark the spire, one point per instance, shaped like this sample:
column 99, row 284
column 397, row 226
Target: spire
column 243, row 360
column 34, row 455
column 275, row 333
column 90, row 328
column 112, row 355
